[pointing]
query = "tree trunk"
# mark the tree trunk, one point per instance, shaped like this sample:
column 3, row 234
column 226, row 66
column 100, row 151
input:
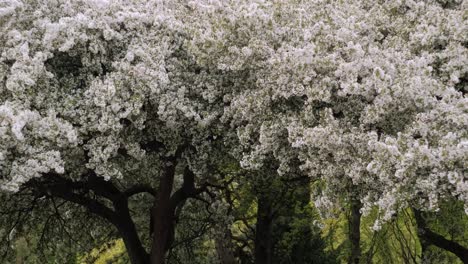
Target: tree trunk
column 224, row 246
column 263, row 233
column 128, row 232
column 162, row 219
column 164, row 210
column 354, row 233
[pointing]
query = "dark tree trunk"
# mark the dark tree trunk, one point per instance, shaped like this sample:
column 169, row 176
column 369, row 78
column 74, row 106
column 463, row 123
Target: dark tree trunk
column 428, row 237
column 354, row 233
column 162, row 219
column 224, row 246
column 128, row 232
column 164, row 210
column 263, row 231
column 163, row 228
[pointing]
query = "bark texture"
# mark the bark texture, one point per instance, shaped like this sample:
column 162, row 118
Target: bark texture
column 354, row 234
column 263, row 234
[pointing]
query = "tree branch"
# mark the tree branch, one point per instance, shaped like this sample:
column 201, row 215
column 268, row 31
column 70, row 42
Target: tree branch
column 187, row 190
column 65, row 189
column 140, row 188
column 438, row 240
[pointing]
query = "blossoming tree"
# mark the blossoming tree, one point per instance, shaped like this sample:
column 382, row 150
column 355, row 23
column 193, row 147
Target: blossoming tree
column 103, row 100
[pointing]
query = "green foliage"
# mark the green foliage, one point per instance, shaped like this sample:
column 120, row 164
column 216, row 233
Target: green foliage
column 395, row 242
column 113, row 252
column 450, row 222
column 301, row 241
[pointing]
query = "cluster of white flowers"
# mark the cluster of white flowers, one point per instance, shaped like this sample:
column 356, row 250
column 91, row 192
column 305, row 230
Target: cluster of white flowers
column 368, row 96
column 30, row 144
column 360, row 87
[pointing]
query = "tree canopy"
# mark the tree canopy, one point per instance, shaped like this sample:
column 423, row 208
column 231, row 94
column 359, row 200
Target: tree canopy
column 140, row 113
